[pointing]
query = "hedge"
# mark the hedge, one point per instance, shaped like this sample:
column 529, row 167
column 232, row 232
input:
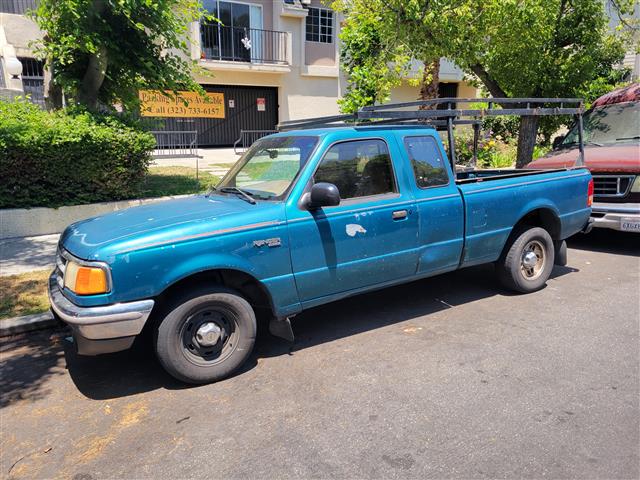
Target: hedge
column 50, row 159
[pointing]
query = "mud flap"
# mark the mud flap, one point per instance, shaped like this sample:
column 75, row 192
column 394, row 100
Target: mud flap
column 561, row 253
column 281, row 327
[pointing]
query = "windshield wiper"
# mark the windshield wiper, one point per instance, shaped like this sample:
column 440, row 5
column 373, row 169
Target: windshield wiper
column 243, row 194
column 636, row 137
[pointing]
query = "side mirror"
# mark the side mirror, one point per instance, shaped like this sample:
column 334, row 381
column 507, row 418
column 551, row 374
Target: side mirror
column 323, row 195
column 556, row 142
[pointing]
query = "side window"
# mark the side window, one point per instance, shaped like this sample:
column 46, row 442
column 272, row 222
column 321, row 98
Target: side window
column 358, row 168
column 427, row 162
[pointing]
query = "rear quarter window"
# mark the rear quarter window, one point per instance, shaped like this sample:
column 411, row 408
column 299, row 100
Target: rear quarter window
column 427, row 161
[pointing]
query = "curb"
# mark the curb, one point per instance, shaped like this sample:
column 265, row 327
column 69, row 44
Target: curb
column 28, row 323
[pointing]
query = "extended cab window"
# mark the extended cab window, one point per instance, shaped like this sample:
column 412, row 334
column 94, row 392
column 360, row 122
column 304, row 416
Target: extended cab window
column 358, row 168
column 427, row 161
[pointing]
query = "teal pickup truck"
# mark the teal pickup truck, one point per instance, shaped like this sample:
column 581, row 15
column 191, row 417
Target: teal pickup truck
column 304, row 218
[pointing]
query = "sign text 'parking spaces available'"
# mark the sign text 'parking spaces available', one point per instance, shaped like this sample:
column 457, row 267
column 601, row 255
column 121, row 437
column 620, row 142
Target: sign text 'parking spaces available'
column 185, row 104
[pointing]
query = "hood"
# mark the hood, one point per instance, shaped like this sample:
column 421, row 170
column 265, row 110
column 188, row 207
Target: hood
column 610, row 159
column 125, row 230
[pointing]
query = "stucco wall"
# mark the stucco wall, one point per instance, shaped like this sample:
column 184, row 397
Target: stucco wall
column 409, row 93
column 320, row 53
column 20, row 32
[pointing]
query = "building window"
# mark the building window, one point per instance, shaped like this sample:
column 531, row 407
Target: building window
column 320, row 25
column 33, row 80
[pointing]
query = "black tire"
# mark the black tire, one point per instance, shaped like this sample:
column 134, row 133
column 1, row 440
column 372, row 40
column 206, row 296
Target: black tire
column 514, row 266
column 226, row 315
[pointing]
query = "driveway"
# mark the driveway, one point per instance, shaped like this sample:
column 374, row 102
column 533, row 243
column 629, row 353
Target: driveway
column 445, row 377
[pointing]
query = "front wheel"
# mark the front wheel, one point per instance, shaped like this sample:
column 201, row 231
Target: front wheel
column 528, row 261
column 206, row 335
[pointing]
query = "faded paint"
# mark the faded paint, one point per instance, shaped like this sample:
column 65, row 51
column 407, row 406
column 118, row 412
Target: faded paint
column 353, row 229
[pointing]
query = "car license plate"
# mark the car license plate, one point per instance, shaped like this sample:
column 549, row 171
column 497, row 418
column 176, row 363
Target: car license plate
column 630, row 225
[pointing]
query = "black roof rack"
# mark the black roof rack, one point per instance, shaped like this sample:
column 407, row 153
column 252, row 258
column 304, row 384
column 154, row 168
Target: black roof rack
column 441, row 112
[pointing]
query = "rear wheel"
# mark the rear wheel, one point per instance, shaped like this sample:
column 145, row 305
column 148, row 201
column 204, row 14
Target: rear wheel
column 528, row 261
column 206, row 335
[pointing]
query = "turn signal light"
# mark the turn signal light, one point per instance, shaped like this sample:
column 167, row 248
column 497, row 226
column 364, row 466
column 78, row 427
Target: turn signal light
column 590, row 193
column 83, row 280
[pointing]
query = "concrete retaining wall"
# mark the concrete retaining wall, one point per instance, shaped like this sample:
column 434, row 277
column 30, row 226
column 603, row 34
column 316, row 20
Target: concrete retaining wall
column 30, row 222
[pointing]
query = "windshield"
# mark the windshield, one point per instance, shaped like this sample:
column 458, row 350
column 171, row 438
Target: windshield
column 616, row 123
column 267, row 170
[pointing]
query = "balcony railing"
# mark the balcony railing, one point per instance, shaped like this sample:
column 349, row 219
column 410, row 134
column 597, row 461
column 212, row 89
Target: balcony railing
column 250, row 45
column 19, row 7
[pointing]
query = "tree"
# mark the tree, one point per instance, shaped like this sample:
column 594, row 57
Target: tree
column 366, row 60
column 102, row 52
column 537, row 48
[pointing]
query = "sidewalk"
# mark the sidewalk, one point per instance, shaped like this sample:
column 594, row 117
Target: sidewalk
column 22, row 255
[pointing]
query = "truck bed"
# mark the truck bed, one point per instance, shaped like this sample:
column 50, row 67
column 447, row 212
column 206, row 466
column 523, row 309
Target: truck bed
column 492, row 209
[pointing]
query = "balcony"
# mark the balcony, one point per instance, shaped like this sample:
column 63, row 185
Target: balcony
column 249, row 46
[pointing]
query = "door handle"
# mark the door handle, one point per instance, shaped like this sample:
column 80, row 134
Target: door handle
column 399, row 214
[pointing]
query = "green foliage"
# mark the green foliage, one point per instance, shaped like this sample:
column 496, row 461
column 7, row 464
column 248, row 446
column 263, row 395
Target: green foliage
column 492, row 152
column 537, row 48
column 103, row 52
column 57, row 158
column 163, row 181
column 365, row 62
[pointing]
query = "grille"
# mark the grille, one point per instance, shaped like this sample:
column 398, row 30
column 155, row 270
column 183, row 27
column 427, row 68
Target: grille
column 61, row 266
column 612, row 185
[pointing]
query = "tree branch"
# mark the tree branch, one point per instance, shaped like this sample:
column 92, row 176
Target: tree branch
column 492, row 85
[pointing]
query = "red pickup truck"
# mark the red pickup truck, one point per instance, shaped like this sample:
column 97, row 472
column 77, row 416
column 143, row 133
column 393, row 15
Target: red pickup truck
column 612, row 153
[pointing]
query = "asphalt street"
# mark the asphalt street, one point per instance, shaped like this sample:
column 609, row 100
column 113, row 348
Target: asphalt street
column 449, row 377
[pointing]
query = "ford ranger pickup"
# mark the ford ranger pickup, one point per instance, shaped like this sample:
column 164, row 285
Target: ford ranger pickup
column 304, row 218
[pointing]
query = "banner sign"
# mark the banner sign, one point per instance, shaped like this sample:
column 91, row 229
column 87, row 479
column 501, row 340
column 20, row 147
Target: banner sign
column 185, row 104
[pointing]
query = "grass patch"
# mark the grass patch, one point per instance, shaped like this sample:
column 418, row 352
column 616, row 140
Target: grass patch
column 24, row 294
column 162, row 181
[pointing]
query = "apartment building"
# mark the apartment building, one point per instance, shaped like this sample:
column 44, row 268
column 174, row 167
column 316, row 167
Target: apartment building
column 271, row 60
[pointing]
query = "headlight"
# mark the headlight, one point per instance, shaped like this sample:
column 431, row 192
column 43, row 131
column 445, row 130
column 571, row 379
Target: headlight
column 635, row 188
column 85, row 280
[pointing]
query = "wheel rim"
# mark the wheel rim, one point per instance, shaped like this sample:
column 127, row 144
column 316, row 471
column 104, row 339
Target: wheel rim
column 209, row 335
column 532, row 261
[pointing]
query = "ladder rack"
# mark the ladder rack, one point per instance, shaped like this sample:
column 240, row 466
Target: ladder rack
column 444, row 112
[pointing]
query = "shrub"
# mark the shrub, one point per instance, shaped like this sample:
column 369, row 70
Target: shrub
column 66, row 158
column 493, row 152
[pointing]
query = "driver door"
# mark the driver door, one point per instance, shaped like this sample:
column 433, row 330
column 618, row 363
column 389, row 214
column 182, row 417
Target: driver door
column 369, row 239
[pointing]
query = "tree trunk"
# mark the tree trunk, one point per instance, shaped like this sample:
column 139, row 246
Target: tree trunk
column 429, row 82
column 494, row 89
column 95, row 74
column 93, row 79
column 53, row 98
column 526, row 140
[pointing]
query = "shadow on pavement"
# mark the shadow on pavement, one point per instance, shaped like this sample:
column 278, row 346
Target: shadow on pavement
column 605, row 240
column 136, row 371
column 26, row 362
column 19, row 255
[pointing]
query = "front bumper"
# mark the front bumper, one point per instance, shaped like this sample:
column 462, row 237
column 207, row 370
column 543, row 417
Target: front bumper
column 612, row 215
column 102, row 329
